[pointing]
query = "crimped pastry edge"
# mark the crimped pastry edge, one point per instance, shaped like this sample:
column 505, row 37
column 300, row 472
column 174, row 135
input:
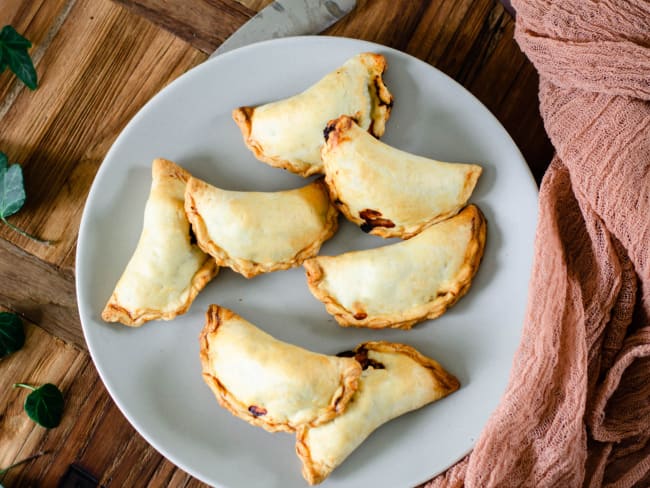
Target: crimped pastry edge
column 348, row 384
column 408, row 318
column 315, row 472
column 382, row 104
column 114, row 312
column 337, row 134
column 246, row 267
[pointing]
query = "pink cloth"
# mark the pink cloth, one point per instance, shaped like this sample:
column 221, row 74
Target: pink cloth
column 577, row 408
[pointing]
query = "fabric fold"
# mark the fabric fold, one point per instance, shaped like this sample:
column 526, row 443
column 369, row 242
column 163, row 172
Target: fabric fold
column 576, row 411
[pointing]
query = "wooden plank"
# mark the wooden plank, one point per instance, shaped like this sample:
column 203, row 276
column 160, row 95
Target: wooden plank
column 41, row 292
column 387, row 22
column 34, row 20
column 43, row 359
column 204, row 24
column 255, row 5
column 62, row 131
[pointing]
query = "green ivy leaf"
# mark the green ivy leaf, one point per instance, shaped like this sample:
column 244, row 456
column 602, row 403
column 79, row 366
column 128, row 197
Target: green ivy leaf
column 44, row 405
column 11, row 38
column 13, row 53
column 12, row 333
column 12, row 189
column 12, row 194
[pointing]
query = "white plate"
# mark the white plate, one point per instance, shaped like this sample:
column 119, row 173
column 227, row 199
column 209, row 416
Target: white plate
column 153, row 373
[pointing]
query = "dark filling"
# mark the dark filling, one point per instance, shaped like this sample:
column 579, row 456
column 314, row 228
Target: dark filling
column 374, row 219
column 192, row 237
column 361, row 356
column 328, row 129
column 257, row 411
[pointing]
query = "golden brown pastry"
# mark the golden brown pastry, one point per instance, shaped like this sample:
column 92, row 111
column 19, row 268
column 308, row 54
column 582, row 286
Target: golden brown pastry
column 289, row 133
column 401, row 284
column 396, row 379
column 257, row 232
column 269, row 383
column 167, row 270
column 388, row 192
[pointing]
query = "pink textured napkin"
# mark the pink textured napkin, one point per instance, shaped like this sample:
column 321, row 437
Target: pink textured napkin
column 576, row 411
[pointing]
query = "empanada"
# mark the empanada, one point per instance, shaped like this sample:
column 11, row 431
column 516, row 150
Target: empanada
column 269, row 383
column 257, row 232
column 167, row 270
column 289, row 133
column 401, row 284
column 396, row 379
column 388, row 192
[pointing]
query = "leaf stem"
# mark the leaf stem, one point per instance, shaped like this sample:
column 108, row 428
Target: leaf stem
column 23, row 461
column 23, row 233
column 24, row 385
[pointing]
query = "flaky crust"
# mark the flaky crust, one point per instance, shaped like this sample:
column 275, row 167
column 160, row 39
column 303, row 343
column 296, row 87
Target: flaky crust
column 407, row 318
column 381, row 106
column 247, row 267
column 349, row 381
column 316, row 472
column 166, row 174
column 338, row 132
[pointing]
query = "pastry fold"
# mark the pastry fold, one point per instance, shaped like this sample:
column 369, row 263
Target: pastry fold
column 166, row 270
column 258, row 232
column 396, row 379
column 401, row 284
column 289, row 133
column 388, row 192
column 269, row 383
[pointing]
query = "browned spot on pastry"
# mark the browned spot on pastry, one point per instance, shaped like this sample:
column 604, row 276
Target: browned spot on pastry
column 257, row 411
column 360, row 315
column 374, row 219
column 192, row 237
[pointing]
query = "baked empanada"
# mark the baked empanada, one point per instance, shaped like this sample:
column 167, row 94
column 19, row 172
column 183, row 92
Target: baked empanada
column 289, row 133
column 167, row 270
column 269, row 383
column 388, row 192
column 396, row 379
column 401, row 284
column 257, row 232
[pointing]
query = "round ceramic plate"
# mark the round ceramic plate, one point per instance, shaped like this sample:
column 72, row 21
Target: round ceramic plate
column 153, row 372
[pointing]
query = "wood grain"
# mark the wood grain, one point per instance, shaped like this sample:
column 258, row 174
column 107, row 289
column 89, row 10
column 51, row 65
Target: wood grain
column 204, row 23
column 61, row 132
column 255, row 5
column 37, row 22
column 40, row 292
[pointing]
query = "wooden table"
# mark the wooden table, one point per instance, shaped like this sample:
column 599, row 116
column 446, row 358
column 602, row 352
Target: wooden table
column 98, row 62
